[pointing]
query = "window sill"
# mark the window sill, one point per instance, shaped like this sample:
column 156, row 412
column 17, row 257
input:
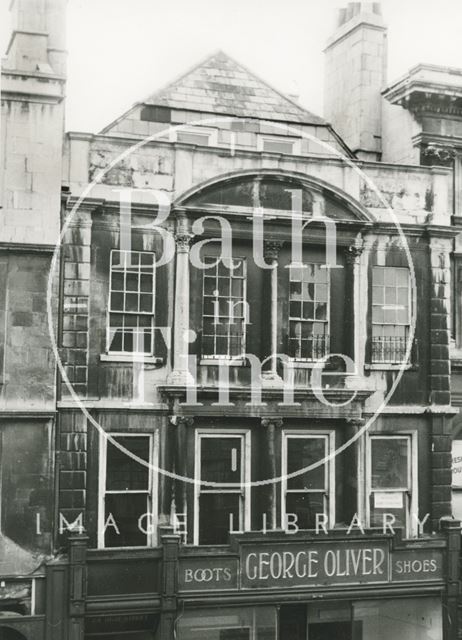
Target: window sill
column 122, row 357
column 388, row 366
column 235, row 362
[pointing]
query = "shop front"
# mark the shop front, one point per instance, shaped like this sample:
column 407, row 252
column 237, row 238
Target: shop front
column 273, row 586
column 352, row 588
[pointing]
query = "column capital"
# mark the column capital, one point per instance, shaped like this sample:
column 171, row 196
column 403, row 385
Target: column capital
column 272, row 422
column 183, row 240
column 181, row 421
column 272, row 249
column 356, row 422
column 354, row 251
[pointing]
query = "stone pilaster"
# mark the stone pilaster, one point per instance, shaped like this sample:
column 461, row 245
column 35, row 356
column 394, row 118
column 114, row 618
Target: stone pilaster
column 269, row 454
column 353, row 294
column 441, row 462
column 169, row 614
column 181, row 424
column 440, row 293
column 72, row 465
column 180, row 374
column 270, row 343
column 77, row 585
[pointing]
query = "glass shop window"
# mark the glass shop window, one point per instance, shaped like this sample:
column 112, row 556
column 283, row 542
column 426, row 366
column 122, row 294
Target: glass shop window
column 391, row 314
column 391, row 480
column 131, row 302
column 223, row 501
column 457, row 479
column 307, row 493
column 258, row 623
column 309, row 312
column 224, row 314
column 128, row 507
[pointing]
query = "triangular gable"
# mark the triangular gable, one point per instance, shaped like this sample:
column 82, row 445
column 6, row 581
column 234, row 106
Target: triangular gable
column 221, row 85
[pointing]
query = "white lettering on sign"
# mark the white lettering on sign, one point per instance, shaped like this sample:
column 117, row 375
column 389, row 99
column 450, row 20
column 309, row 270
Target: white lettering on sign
column 283, row 565
column 416, row 566
column 217, row 574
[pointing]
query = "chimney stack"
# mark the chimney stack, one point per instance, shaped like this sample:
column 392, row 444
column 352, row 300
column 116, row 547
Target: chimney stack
column 355, row 69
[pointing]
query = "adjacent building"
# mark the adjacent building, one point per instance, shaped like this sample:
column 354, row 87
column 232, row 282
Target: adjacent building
column 255, row 327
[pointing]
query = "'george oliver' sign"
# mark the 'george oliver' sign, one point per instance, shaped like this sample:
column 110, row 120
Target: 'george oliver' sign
column 304, row 564
column 318, row 564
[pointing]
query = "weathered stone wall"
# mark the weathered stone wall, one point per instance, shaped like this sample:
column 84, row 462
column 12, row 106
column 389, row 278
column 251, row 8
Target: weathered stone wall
column 28, row 362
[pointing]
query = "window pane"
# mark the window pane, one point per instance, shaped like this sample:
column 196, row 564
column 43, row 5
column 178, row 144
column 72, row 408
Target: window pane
column 305, row 506
column 389, row 463
column 126, row 509
column 224, row 302
column 122, row 471
column 301, row 453
column 221, row 460
column 132, row 282
column 215, row 510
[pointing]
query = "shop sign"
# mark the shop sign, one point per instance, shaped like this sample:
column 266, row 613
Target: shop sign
column 417, row 564
column 204, row 574
column 302, row 564
column 311, row 564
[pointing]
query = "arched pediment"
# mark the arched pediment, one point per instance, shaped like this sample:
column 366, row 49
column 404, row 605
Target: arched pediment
column 275, row 191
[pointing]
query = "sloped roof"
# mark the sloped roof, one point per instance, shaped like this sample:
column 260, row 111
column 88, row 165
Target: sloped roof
column 219, row 84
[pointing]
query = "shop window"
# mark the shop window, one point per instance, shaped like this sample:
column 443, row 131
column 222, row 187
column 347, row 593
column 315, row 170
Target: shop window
column 390, row 314
column 457, row 479
column 392, row 473
column 243, row 623
column 222, row 503
column 309, row 312
column 131, row 302
column 224, row 309
column 310, row 492
column 128, row 491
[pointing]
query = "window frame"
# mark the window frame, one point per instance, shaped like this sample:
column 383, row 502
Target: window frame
column 456, row 462
column 329, row 437
column 152, row 314
column 152, row 493
column 228, row 357
column 295, row 142
column 211, row 133
column 302, row 360
column 411, row 496
column 388, row 362
column 245, row 437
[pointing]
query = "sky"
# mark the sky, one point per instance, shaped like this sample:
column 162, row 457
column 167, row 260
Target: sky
column 121, row 51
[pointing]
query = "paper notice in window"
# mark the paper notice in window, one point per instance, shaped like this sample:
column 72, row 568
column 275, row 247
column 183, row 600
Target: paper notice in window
column 388, row 500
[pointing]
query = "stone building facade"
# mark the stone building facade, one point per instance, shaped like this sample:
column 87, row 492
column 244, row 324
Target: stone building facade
column 251, row 431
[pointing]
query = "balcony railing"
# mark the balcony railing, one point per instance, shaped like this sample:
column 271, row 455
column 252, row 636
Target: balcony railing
column 313, row 348
column 390, row 350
